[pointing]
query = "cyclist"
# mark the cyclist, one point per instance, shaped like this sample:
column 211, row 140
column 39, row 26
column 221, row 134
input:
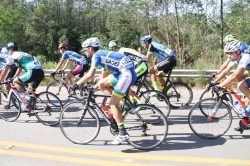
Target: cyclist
column 33, row 71
column 139, row 60
column 165, row 54
column 226, row 40
column 123, row 78
column 234, row 53
column 79, row 60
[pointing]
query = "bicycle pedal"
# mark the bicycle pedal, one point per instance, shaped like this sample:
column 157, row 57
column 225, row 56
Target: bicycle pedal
column 31, row 114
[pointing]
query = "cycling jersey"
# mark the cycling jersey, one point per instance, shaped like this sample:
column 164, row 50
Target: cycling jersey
column 74, row 57
column 160, row 51
column 133, row 54
column 111, row 61
column 24, row 61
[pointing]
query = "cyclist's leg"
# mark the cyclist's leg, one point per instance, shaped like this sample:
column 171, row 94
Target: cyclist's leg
column 165, row 66
column 10, row 74
column 152, row 71
column 124, row 81
column 73, row 72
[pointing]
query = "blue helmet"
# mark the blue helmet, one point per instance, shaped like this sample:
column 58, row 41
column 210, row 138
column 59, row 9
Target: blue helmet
column 145, row 39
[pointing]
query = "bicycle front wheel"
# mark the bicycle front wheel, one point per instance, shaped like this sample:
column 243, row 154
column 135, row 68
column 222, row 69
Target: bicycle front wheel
column 140, row 125
column 77, row 125
column 13, row 112
column 157, row 99
column 62, row 93
column 180, row 95
column 47, row 108
column 208, row 127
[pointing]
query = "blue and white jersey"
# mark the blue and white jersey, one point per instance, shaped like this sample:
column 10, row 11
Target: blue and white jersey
column 111, row 61
column 160, row 51
column 74, row 57
column 3, row 58
column 4, row 50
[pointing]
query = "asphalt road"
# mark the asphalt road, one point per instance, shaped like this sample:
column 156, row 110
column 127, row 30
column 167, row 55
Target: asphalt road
column 27, row 142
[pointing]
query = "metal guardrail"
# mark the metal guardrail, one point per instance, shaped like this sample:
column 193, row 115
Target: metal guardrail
column 175, row 73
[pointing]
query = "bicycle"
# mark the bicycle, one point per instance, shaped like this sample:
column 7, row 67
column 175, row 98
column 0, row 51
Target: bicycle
column 179, row 94
column 80, row 123
column 42, row 107
column 63, row 91
column 212, row 117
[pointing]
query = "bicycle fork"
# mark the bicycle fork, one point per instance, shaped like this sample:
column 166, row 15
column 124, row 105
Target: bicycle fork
column 214, row 110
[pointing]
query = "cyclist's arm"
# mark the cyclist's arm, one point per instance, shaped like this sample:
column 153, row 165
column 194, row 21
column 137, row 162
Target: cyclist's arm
column 223, row 74
column 149, row 55
column 224, row 65
column 18, row 72
column 239, row 71
column 66, row 65
column 87, row 76
column 59, row 65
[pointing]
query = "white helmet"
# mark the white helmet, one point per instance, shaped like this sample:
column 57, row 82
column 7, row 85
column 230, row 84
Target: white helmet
column 91, row 42
column 232, row 46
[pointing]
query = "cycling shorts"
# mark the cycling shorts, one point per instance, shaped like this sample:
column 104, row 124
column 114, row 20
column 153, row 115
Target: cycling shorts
column 34, row 77
column 79, row 69
column 122, row 82
column 166, row 64
column 141, row 69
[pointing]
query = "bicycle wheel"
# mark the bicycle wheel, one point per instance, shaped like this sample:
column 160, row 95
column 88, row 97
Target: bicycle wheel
column 75, row 129
column 157, row 99
column 180, row 97
column 206, row 127
column 47, row 111
column 209, row 94
column 12, row 113
column 144, row 132
column 62, row 94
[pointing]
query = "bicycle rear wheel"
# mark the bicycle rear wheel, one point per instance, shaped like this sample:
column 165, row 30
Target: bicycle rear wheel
column 180, row 97
column 13, row 112
column 47, row 111
column 157, row 99
column 62, row 94
column 144, row 132
column 76, row 127
column 204, row 126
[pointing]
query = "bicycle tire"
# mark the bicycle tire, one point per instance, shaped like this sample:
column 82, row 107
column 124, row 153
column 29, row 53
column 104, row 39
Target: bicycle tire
column 208, row 94
column 180, row 99
column 205, row 128
column 144, row 133
column 71, row 127
column 13, row 113
column 48, row 111
column 64, row 92
column 158, row 100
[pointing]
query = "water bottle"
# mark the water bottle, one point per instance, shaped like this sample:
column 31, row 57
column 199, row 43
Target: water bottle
column 107, row 112
column 240, row 109
column 248, row 109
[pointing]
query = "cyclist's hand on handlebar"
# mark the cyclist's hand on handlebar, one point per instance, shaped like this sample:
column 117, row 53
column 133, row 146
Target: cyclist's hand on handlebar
column 52, row 73
column 209, row 85
column 217, row 88
column 73, row 87
column 60, row 71
column 10, row 80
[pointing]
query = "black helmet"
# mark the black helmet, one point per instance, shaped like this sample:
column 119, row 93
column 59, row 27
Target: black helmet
column 64, row 45
column 13, row 46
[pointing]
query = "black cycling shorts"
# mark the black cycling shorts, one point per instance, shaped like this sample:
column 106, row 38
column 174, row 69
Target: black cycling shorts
column 166, row 64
